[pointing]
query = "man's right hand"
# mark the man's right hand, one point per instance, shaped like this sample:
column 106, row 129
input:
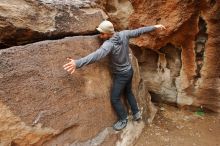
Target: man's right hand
column 160, row 26
column 71, row 66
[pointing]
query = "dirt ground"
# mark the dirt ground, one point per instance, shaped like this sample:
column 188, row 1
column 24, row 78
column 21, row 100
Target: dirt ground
column 176, row 127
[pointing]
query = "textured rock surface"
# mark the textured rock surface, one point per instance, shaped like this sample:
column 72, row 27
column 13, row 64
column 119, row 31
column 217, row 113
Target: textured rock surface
column 38, row 92
column 183, row 63
column 14, row 131
column 207, row 86
column 44, row 93
column 41, row 104
column 119, row 12
column 25, row 21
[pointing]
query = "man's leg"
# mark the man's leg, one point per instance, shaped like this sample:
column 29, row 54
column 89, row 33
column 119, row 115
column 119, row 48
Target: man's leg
column 118, row 86
column 131, row 99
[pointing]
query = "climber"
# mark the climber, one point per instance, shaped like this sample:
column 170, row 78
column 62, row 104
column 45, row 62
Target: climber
column 117, row 46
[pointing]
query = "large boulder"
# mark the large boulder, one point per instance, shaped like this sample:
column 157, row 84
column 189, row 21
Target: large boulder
column 42, row 104
column 25, row 21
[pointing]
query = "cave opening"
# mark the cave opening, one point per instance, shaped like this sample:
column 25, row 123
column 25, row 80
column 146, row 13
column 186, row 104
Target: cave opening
column 159, row 70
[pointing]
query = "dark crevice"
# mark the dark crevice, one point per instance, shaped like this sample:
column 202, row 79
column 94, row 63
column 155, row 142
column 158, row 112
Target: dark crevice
column 201, row 39
column 155, row 97
column 212, row 2
column 26, row 36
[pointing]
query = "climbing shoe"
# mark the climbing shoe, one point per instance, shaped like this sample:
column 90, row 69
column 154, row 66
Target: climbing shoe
column 137, row 116
column 121, row 124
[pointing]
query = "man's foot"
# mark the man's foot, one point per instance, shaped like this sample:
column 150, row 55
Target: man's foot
column 121, row 124
column 137, row 116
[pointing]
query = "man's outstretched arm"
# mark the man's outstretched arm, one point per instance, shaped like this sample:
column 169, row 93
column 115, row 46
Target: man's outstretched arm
column 97, row 55
column 137, row 32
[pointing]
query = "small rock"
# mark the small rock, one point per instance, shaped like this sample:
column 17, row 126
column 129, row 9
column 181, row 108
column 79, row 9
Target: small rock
column 1, row 76
column 186, row 118
column 157, row 134
column 166, row 139
column 162, row 108
column 197, row 134
column 180, row 127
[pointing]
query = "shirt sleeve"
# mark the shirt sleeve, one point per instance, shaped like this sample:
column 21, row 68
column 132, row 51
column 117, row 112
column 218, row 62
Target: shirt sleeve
column 103, row 51
column 137, row 32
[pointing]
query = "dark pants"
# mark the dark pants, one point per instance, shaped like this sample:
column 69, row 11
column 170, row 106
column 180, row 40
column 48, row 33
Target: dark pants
column 123, row 82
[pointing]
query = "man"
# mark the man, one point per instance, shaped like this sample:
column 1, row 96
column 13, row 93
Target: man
column 117, row 46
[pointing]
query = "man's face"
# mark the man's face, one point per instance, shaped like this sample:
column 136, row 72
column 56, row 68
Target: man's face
column 104, row 36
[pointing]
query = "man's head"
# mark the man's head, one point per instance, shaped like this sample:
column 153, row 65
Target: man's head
column 106, row 29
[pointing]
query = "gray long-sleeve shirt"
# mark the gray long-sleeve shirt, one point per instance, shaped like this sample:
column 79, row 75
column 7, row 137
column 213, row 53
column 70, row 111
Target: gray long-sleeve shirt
column 118, row 49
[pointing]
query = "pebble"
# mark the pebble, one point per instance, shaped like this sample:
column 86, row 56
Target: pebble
column 157, row 134
column 162, row 108
column 186, row 118
column 180, row 127
column 166, row 139
column 1, row 76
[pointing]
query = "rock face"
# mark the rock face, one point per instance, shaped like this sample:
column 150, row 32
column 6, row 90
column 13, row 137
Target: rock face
column 41, row 104
column 25, row 21
column 180, row 65
column 59, row 101
column 47, row 106
column 119, row 12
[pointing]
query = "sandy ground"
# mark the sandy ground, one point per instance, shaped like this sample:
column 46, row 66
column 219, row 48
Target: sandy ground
column 175, row 127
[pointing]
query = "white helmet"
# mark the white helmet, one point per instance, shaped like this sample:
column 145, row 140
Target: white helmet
column 106, row 27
